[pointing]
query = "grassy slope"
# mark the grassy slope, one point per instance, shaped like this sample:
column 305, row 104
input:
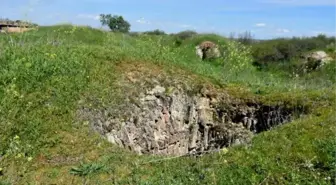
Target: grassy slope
column 46, row 74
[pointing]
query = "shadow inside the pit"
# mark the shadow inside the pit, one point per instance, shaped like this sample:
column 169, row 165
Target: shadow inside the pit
column 241, row 122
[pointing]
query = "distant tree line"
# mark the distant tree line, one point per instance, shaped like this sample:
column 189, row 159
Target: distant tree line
column 16, row 22
column 289, row 49
column 264, row 52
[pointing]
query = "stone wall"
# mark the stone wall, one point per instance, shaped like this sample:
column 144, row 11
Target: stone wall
column 15, row 29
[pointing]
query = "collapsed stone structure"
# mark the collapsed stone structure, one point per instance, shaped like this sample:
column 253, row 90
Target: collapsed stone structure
column 174, row 122
column 315, row 60
column 11, row 27
column 207, row 50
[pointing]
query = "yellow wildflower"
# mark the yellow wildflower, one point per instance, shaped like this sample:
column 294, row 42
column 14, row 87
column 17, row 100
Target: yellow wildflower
column 225, row 150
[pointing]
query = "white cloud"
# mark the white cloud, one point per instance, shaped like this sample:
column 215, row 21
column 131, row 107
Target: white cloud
column 88, row 16
column 143, row 21
column 260, row 24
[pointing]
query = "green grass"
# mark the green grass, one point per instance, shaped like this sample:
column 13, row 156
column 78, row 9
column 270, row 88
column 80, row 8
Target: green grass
column 46, row 75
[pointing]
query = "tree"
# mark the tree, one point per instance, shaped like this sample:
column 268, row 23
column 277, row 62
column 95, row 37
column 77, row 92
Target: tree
column 115, row 23
column 245, row 38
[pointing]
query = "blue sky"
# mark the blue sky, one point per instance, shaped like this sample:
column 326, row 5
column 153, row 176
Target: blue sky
column 263, row 18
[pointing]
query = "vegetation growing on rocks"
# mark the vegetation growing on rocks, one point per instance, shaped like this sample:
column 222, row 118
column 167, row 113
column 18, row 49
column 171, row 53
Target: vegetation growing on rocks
column 46, row 75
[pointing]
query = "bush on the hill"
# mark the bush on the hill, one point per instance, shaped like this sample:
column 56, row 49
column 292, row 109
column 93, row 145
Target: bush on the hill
column 155, row 32
column 331, row 49
column 134, row 34
column 286, row 50
column 236, row 55
column 245, row 38
column 183, row 35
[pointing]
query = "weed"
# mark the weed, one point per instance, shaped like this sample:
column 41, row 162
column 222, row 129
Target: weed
column 86, row 169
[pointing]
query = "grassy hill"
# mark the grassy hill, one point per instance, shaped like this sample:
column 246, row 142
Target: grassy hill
column 45, row 75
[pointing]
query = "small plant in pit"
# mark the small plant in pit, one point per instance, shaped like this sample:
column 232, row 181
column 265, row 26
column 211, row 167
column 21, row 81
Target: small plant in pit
column 87, row 169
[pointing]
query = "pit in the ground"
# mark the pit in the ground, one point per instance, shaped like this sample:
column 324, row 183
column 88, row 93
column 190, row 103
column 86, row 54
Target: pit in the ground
column 179, row 124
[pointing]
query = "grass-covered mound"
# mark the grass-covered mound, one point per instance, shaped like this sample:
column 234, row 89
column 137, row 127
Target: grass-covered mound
column 46, row 74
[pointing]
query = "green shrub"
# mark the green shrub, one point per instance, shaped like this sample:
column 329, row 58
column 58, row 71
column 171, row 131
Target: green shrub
column 245, row 38
column 236, row 54
column 155, row 32
column 326, row 159
column 87, row 169
column 331, row 50
column 183, row 35
column 266, row 53
column 287, row 50
column 134, row 34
